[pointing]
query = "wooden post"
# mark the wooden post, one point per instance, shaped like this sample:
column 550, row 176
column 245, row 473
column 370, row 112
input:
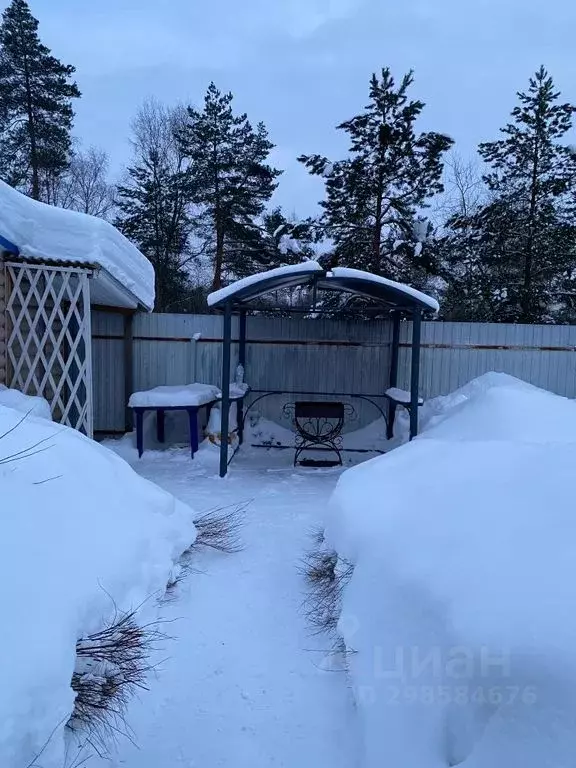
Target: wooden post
column 128, row 369
column 415, row 373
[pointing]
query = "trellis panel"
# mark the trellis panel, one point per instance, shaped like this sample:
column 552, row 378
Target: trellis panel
column 49, row 339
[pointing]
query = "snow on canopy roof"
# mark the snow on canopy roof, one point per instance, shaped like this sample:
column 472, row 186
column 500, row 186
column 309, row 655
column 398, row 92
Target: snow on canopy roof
column 253, row 286
column 367, row 284
column 355, row 281
column 45, row 234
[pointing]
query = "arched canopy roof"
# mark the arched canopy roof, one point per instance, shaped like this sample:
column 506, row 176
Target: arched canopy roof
column 241, row 294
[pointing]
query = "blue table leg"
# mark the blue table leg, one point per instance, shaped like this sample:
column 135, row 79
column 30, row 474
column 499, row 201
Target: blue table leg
column 193, row 419
column 140, row 431
column 391, row 420
column 240, row 414
column 160, row 425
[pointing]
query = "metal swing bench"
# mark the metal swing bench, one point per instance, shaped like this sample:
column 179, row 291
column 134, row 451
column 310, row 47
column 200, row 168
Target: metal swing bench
column 319, row 424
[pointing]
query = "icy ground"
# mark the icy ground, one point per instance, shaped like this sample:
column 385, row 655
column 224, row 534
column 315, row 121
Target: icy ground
column 243, row 685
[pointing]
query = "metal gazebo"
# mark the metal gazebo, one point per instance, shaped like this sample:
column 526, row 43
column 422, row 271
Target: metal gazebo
column 398, row 300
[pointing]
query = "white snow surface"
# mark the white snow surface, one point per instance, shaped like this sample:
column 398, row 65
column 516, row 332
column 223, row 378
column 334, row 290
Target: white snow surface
column 313, row 266
column 346, row 272
column 288, row 244
column 245, row 684
column 183, row 394
column 230, row 290
column 51, row 234
column 26, row 404
column 401, row 395
column 461, row 605
column 78, row 530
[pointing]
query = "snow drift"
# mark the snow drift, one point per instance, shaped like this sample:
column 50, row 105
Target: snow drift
column 79, row 531
column 462, row 600
column 27, row 404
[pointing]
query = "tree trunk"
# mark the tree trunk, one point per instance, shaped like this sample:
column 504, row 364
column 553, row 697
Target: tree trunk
column 377, row 235
column 34, row 163
column 377, row 239
column 219, row 260
column 526, row 304
column 218, row 223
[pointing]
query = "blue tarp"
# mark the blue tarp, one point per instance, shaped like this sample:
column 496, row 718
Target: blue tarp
column 6, row 245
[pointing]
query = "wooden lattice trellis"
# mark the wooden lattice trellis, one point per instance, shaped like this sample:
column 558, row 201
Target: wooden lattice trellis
column 49, row 339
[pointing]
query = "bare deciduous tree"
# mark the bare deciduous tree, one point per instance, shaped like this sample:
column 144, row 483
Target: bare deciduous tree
column 84, row 186
column 465, row 190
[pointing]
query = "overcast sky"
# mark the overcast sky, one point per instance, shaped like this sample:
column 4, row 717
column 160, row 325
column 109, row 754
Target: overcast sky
column 302, row 66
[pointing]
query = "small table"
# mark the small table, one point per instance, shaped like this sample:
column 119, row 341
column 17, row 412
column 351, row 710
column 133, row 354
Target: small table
column 395, row 398
column 191, row 410
column 192, row 399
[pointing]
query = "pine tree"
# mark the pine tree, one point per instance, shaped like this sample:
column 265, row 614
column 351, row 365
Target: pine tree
column 152, row 204
column 230, row 182
column 527, row 229
column 36, row 115
column 375, row 196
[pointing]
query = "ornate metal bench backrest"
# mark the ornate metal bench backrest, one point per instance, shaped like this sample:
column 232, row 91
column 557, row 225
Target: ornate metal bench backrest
column 318, row 425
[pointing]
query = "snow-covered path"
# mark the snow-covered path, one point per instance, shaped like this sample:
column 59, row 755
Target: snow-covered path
column 243, row 685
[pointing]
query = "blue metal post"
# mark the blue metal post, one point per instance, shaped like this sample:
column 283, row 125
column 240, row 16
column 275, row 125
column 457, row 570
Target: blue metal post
column 415, row 373
column 226, row 356
column 242, row 362
column 393, row 373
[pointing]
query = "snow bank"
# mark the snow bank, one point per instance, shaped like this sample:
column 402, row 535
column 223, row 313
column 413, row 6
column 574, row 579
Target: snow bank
column 462, row 601
column 78, row 529
column 51, row 234
column 28, row 404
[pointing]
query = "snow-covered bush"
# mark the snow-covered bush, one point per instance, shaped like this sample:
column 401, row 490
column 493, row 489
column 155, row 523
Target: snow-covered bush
column 83, row 539
column 461, row 602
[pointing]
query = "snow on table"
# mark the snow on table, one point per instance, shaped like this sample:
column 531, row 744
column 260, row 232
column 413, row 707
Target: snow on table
column 52, row 234
column 401, row 396
column 80, row 533
column 463, row 593
column 180, row 395
column 183, row 395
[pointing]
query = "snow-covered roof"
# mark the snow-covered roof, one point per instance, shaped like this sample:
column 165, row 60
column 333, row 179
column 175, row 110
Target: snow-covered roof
column 38, row 232
column 360, row 279
column 253, row 286
column 380, row 289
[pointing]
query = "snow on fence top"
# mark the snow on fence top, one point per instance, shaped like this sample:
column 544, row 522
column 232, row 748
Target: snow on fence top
column 338, row 279
column 53, row 235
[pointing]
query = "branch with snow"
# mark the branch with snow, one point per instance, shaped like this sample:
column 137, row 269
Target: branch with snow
column 111, row 666
column 326, row 577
